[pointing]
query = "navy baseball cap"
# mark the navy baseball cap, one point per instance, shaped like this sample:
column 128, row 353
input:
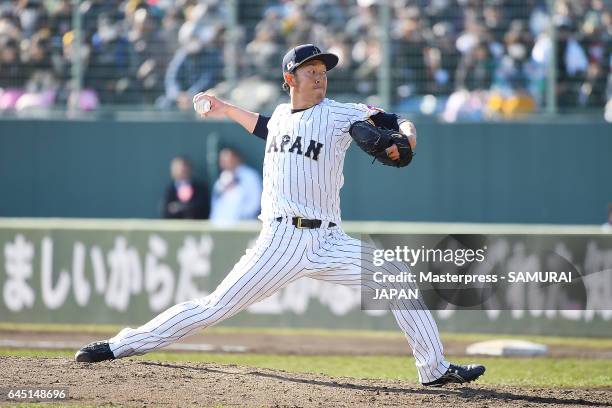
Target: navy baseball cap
column 307, row 52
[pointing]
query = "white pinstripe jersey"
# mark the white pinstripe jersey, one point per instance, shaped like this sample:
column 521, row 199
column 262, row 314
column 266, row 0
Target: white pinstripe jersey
column 304, row 160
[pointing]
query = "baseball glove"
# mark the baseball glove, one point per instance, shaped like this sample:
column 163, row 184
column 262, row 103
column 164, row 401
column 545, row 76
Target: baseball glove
column 374, row 141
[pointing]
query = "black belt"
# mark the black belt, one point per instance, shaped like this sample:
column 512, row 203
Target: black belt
column 300, row 222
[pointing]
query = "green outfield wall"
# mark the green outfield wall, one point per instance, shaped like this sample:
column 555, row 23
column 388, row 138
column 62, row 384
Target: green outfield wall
column 127, row 271
column 556, row 172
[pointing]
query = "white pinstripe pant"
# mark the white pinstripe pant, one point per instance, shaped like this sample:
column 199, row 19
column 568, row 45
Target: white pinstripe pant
column 281, row 255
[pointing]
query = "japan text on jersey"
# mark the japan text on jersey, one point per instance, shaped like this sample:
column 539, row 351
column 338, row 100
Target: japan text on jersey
column 304, row 159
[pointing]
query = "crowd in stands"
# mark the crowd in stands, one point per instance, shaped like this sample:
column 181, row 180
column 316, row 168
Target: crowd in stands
column 133, row 52
column 458, row 58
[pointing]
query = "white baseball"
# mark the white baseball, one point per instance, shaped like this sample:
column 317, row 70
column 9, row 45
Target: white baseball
column 202, row 106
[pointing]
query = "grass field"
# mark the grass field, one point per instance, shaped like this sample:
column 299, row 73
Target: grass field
column 586, row 342
column 540, row 372
column 535, row 372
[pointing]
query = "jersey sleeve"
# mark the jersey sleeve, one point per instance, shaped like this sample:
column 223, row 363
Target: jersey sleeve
column 361, row 111
column 349, row 113
column 261, row 128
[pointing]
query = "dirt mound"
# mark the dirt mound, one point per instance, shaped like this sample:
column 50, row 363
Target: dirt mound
column 145, row 383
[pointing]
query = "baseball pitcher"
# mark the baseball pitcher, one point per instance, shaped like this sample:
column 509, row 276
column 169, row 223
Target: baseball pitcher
column 306, row 142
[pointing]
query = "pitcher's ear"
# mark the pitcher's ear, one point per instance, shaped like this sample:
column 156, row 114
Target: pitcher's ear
column 289, row 78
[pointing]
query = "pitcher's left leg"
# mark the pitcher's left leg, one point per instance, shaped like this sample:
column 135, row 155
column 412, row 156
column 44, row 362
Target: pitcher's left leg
column 342, row 260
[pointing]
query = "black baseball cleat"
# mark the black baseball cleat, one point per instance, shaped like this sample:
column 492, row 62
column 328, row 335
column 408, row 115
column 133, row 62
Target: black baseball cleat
column 94, row 353
column 458, row 374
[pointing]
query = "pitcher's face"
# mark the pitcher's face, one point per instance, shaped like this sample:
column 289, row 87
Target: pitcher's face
column 310, row 80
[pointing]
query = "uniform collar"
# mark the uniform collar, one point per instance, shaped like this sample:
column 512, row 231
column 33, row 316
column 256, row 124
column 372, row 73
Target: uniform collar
column 310, row 107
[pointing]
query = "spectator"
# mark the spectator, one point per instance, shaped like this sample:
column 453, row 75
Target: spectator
column 185, row 198
column 171, row 23
column 62, row 66
column 11, row 66
column 475, row 71
column 197, row 64
column 108, row 69
column 92, row 10
column 42, row 85
column 408, row 44
column 264, row 51
column 194, row 68
column 571, row 65
column 61, row 20
column 236, row 194
column 607, row 226
column 32, row 16
column 367, row 56
column 148, row 59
